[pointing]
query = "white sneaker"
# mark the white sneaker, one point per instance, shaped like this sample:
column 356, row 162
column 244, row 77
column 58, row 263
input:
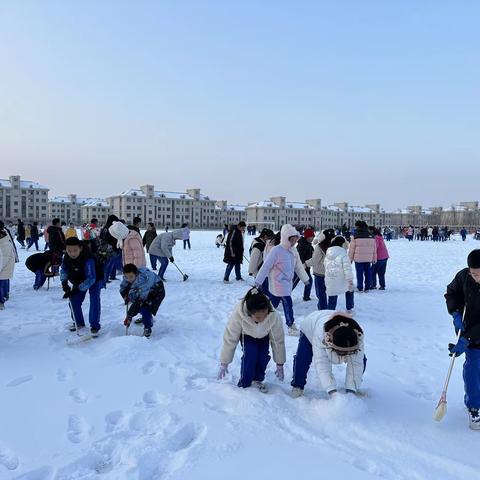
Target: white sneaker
column 293, row 331
column 473, row 418
column 226, row 281
column 297, row 392
column 351, row 311
column 260, row 385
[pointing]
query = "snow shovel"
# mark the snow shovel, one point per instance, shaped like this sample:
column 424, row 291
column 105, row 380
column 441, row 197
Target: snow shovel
column 126, row 313
column 184, row 275
column 441, row 409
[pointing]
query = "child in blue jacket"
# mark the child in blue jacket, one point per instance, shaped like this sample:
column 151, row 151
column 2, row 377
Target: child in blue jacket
column 144, row 291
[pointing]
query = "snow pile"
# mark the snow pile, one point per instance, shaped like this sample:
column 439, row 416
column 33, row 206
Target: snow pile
column 122, row 407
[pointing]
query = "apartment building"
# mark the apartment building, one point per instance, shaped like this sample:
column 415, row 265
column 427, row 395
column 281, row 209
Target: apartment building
column 95, row 208
column 23, row 199
column 229, row 214
column 165, row 208
column 76, row 209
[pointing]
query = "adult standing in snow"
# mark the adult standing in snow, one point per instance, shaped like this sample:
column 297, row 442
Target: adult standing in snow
column 280, row 266
column 7, row 264
column 21, row 233
column 363, row 251
column 463, row 233
column 133, row 251
column 256, row 325
column 329, row 338
column 110, row 266
column 186, row 236
column 338, row 274
column 463, row 303
column 81, row 271
column 162, row 248
column 317, row 263
column 305, row 251
column 148, row 238
column 380, row 266
column 234, row 249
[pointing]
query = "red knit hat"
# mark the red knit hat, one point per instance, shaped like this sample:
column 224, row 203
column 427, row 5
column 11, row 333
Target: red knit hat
column 308, row 233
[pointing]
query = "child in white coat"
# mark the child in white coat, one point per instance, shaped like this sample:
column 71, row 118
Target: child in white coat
column 338, row 274
column 329, row 338
column 256, row 325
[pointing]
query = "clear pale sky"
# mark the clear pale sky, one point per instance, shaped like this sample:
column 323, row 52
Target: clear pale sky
column 364, row 101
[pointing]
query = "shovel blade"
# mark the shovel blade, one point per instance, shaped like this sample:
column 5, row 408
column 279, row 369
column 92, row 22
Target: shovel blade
column 440, row 411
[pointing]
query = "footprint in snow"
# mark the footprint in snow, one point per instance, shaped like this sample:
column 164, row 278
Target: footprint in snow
column 43, row 473
column 65, row 374
column 78, row 429
column 115, row 420
column 186, row 437
column 18, row 381
column 149, row 368
column 78, row 395
column 8, row 458
column 153, row 398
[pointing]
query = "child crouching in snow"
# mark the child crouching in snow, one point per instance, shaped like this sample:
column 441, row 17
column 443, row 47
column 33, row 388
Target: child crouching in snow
column 255, row 324
column 144, row 290
column 329, row 337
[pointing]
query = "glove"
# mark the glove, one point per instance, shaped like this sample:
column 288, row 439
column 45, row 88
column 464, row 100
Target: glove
column 458, row 348
column 279, row 373
column 67, row 294
column 65, row 286
column 222, row 371
column 458, row 322
column 171, row 259
column 127, row 321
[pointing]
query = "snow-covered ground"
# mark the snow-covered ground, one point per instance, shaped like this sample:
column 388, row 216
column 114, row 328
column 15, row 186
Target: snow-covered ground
column 122, row 407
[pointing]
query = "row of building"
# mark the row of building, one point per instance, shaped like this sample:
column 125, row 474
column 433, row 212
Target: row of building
column 30, row 201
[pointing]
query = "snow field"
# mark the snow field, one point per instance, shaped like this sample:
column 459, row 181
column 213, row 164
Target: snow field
column 122, row 407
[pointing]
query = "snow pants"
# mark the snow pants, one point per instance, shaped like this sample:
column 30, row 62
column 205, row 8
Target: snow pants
column 321, row 292
column 255, row 359
column 349, row 301
column 379, row 269
column 76, row 302
column 287, row 307
column 301, row 362
column 40, row 279
column 364, row 272
column 471, row 377
column 307, row 290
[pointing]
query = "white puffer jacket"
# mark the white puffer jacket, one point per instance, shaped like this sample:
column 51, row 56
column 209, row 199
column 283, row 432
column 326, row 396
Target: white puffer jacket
column 338, row 271
column 312, row 327
column 7, row 257
column 240, row 323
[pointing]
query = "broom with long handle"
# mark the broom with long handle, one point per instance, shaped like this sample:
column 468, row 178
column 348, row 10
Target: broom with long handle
column 441, row 409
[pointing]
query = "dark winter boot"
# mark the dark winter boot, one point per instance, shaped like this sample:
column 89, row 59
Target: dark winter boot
column 474, row 418
column 147, row 332
column 94, row 332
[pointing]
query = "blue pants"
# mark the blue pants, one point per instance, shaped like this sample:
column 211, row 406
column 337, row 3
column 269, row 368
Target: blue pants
column 146, row 317
column 379, row 269
column 3, row 291
column 349, row 302
column 153, row 261
column 471, row 377
column 39, row 279
column 95, row 306
column 119, row 263
column 321, row 292
column 363, row 270
column 287, row 307
column 185, row 243
column 308, row 288
column 109, row 270
column 301, row 362
column 230, row 267
column 32, row 241
column 163, row 266
column 255, row 359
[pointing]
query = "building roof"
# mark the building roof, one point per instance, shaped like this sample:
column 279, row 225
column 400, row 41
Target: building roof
column 23, row 184
column 96, row 202
column 236, row 208
column 333, row 208
column 263, row 204
column 136, row 192
column 299, row 205
column 78, row 200
column 355, row 209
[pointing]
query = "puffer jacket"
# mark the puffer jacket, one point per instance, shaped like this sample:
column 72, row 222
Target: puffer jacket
column 240, row 323
column 317, row 262
column 338, row 271
column 7, row 257
column 382, row 252
column 281, row 264
column 256, row 256
column 132, row 251
column 163, row 244
column 312, row 326
column 363, row 248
